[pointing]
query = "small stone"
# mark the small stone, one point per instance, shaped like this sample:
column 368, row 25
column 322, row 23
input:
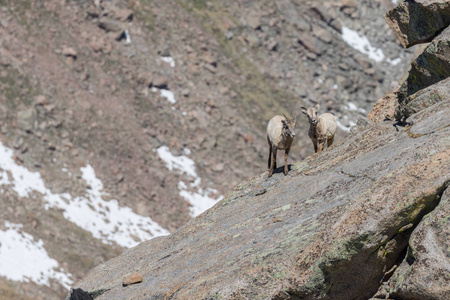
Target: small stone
column 111, row 25
column 349, row 3
column 310, row 43
column 210, row 68
column 343, row 66
column 272, row 45
column 369, row 71
column 25, row 119
column 229, row 34
column 208, row 58
column 323, row 34
column 252, row 39
column 69, row 51
column 160, row 82
column 185, row 92
column 120, row 177
column 124, row 14
column 96, row 45
column 74, row 152
column 40, row 100
column 311, row 56
column 132, row 279
column 219, row 167
column 254, row 20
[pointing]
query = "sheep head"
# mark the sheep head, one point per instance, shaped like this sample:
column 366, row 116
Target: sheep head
column 311, row 113
column 289, row 126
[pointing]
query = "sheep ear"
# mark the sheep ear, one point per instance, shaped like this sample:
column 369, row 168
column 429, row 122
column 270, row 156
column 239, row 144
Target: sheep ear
column 285, row 116
column 304, row 110
column 295, row 116
column 317, row 106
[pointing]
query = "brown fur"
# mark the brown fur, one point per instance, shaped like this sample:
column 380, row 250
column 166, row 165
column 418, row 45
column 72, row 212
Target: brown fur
column 321, row 128
column 280, row 135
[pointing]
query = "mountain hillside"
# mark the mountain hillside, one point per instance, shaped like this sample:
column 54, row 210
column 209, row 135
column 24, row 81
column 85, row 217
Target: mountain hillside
column 365, row 219
column 122, row 120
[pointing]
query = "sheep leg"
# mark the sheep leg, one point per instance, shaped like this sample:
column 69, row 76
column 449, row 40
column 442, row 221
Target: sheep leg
column 315, row 145
column 320, row 146
column 286, row 154
column 270, row 154
column 330, row 141
column 274, row 153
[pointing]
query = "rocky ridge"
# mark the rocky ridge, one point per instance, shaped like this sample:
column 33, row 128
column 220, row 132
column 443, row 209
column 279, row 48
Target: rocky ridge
column 371, row 221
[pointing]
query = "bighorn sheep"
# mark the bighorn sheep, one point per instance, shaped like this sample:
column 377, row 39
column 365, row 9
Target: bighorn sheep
column 280, row 134
column 321, row 128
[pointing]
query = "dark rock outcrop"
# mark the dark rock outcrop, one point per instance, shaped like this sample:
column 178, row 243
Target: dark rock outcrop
column 418, row 21
column 424, row 274
column 432, row 66
column 423, row 99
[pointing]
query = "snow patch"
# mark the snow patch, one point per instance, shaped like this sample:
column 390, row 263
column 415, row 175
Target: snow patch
column 127, row 37
column 345, row 128
column 166, row 94
column 180, row 163
column 353, row 107
column 362, row 44
column 199, row 199
column 169, row 60
column 394, row 61
column 24, row 259
column 106, row 220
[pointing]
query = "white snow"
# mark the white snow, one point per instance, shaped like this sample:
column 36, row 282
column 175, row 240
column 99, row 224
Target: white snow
column 181, row 163
column 394, row 61
column 106, row 220
column 199, row 199
column 169, row 60
column 353, row 107
column 23, row 181
column 127, row 37
column 345, row 128
column 24, row 259
column 166, row 94
column 362, row 44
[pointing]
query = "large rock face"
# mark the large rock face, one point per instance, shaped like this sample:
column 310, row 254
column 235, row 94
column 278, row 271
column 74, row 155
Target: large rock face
column 423, row 98
column 425, row 272
column 330, row 229
column 418, row 21
column 432, row 66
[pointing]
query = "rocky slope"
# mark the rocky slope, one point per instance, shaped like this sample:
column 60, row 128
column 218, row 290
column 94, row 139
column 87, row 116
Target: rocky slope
column 121, row 120
column 367, row 218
